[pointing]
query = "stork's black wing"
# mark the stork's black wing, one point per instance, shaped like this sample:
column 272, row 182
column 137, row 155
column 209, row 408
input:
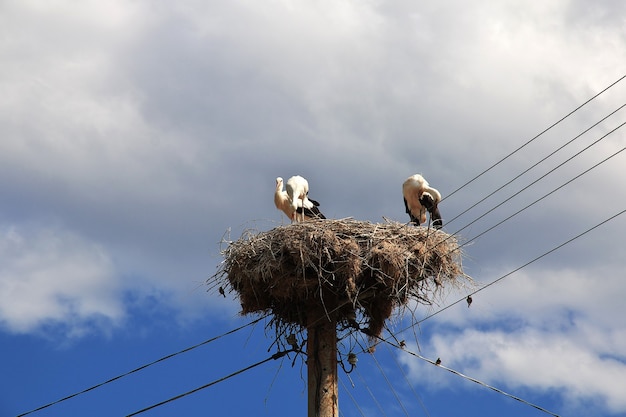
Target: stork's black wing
column 313, row 212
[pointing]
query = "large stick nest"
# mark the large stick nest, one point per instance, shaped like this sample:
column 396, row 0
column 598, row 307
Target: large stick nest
column 343, row 266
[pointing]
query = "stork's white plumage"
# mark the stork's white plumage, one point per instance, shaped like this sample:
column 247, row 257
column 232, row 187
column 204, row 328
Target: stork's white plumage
column 297, row 190
column 302, row 206
column 419, row 197
column 282, row 201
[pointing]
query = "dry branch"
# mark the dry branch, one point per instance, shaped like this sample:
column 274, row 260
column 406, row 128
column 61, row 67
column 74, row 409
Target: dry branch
column 352, row 268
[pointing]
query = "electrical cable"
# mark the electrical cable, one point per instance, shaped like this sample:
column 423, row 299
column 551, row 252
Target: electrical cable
column 534, row 182
column 141, row 367
column 395, row 394
column 548, row 173
column 534, row 202
column 380, row 408
column 362, row 379
column 537, row 136
column 275, row 356
column 406, row 378
column 541, row 198
column 499, row 391
column 356, row 404
column 536, row 163
column 522, row 266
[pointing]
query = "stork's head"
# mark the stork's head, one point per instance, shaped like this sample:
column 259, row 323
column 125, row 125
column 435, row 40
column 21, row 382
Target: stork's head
column 427, row 200
column 279, row 182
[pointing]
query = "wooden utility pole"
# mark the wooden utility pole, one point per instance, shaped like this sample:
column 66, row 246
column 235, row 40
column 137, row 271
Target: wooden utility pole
column 322, row 364
column 316, row 274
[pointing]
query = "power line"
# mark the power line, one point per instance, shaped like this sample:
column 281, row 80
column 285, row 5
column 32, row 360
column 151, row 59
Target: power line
column 523, row 266
column 362, row 379
column 366, row 385
column 356, row 404
column 537, row 136
column 545, row 175
column 406, row 378
column 275, row 356
column 537, row 200
column 141, row 368
column 543, row 197
column 395, row 394
column 537, row 163
column 499, row 391
column 380, row 368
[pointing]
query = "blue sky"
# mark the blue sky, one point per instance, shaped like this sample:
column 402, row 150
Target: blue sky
column 136, row 136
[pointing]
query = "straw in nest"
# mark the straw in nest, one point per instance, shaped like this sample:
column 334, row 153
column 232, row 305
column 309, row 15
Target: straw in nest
column 346, row 266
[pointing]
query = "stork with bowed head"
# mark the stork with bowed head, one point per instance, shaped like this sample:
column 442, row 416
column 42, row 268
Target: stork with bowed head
column 295, row 202
column 419, row 197
column 301, row 206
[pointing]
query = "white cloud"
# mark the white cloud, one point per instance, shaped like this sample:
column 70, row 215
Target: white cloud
column 545, row 361
column 548, row 297
column 153, row 127
column 53, row 277
column 551, row 331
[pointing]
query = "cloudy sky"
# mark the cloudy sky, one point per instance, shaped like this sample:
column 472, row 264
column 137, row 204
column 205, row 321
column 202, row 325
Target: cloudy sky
column 135, row 136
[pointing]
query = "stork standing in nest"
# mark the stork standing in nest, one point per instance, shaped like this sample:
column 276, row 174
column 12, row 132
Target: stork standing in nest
column 295, row 202
column 304, row 207
column 420, row 197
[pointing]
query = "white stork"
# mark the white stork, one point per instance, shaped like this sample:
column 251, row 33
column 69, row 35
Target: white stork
column 419, row 197
column 281, row 200
column 298, row 194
